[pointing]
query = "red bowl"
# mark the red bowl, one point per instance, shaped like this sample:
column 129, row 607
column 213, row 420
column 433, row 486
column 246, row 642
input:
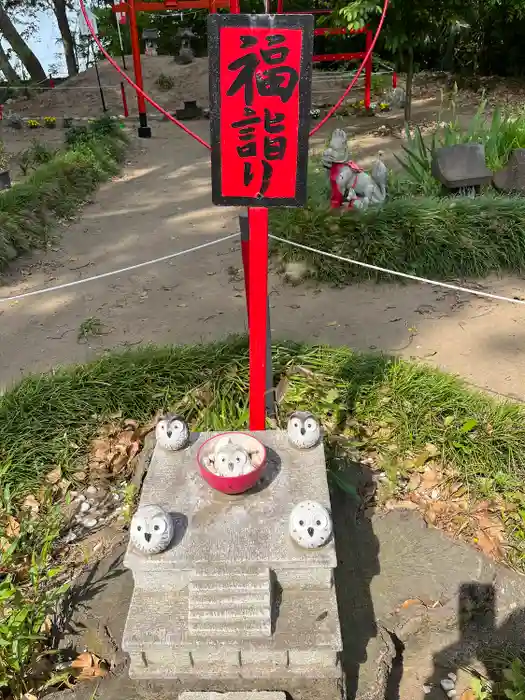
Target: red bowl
column 231, row 484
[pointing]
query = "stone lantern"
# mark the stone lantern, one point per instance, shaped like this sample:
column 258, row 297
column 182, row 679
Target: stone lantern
column 151, row 38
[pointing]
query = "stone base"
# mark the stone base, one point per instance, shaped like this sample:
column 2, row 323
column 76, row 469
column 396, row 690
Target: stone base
column 305, row 641
column 234, row 597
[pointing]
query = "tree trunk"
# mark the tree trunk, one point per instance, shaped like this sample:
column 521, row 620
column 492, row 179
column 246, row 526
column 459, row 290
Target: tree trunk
column 22, row 50
column 410, row 78
column 59, row 8
column 7, row 69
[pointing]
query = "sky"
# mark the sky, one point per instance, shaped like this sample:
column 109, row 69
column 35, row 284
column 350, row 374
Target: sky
column 45, row 45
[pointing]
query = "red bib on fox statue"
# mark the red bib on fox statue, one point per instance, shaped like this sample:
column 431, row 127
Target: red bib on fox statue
column 336, row 195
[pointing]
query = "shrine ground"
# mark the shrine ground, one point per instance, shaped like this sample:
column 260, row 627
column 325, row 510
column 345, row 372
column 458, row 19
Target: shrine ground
column 160, row 204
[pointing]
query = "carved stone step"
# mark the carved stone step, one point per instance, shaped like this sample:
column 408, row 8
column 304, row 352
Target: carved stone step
column 230, row 602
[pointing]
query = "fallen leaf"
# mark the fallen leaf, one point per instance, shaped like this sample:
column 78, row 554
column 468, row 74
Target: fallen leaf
column 134, row 449
column 84, row 660
column 124, row 438
column 46, row 626
column 414, row 481
column 468, row 694
column 429, row 479
column 4, row 545
column 30, row 503
column 401, row 505
column 421, row 459
column 490, row 536
column 131, row 424
column 119, row 462
column 13, row 527
column 431, row 449
column 100, row 448
column 54, row 476
column 410, row 601
column 89, row 666
column 29, row 696
column 79, row 476
column 436, row 510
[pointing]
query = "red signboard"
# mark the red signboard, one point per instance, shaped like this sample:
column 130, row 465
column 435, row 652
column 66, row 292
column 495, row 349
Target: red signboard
column 260, row 98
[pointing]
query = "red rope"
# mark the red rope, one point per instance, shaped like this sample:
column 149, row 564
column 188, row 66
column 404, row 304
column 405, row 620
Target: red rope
column 356, row 76
column 135, row 86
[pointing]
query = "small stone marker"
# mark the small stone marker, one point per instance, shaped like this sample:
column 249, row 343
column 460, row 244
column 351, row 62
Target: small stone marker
column 512, row 177
column 461, row 166
column 191, row 110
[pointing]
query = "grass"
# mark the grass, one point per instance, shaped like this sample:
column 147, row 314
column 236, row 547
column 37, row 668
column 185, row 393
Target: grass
column 55, row 189
column 208, row 384
column 373, row 404
column 416, row 231
column 90, row 327
column 442, row 239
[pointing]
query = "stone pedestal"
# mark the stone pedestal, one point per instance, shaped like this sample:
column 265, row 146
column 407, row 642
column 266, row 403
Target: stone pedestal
column 233, row 596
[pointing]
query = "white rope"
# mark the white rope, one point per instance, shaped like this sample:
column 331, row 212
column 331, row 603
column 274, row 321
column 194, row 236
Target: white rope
column 58, row 287
column 65, row 87
column 405, row 275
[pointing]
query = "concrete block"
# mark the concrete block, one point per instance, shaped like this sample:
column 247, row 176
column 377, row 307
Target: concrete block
column 312, row 657
column 305, row 578
column 462, row 165
column 202, row 658
column 235, row 530
column 511, row 178
column 230, row 605
column 264, row 657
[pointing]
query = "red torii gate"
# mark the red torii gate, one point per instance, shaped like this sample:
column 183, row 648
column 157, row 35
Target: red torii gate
column 133, row 6
column 330, row 31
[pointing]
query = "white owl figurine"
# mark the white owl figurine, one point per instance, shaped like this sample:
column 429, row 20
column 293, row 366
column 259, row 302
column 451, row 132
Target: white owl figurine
column 310, row 525
column 151, row 530
column 230, row 459
column 172, row 432
column 304, row 430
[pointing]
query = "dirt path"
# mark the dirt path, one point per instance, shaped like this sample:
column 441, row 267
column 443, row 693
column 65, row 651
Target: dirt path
column 162, row 204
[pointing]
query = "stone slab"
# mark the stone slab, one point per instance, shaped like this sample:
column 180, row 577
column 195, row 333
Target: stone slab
column 250, row 528
column 511, row 178
column 461, row 165
column 306, row 620
column 254, row 695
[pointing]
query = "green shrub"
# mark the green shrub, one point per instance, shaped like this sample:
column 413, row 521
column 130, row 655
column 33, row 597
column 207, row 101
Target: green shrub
column 56, row 188
column 165, row 82
column 437, row 238
column 500, row 135
column 36, row 154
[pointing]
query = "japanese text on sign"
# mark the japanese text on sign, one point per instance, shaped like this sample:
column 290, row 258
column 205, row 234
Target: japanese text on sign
column 261, row 144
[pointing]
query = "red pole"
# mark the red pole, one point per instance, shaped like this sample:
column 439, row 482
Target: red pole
column 235, row 7
column 368, row 71
column 144, row 129
column 394, row 80
column 124, row 100
column 280, row 7
column 257, row 314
